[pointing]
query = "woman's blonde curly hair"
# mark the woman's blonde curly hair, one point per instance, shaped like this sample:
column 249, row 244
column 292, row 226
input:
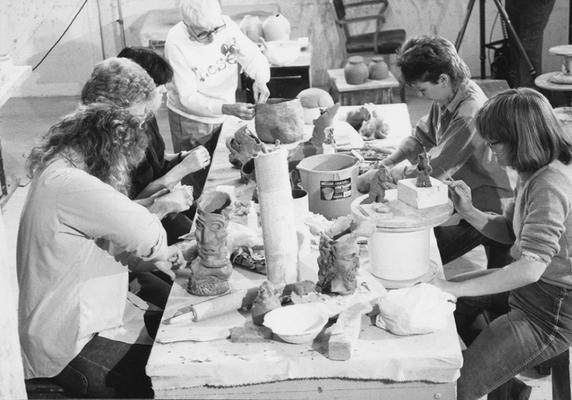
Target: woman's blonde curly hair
column 119, row 81
column 103, row 140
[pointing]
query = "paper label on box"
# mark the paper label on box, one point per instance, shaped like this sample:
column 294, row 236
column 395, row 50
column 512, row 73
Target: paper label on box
column 336, row 190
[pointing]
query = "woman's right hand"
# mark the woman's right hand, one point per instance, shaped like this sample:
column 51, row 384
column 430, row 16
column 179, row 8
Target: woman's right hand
column 461, row 196
column 240, row 110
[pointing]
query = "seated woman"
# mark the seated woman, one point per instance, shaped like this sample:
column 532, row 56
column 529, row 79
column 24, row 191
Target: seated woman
column 431, row 65
column 77, row 321
column 536, row 289
column 156, row 170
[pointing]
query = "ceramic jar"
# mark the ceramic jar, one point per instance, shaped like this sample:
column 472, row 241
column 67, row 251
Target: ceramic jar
column 251, row 26
column 355, row 71
column 276, row 27
column 378, row 69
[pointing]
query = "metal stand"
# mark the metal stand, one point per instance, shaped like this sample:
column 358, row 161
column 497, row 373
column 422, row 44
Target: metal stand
column 506, row 21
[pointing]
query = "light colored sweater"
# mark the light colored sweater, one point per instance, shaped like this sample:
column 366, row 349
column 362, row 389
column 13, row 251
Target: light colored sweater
column 542, row 221
column 70, row 287
column 206, row 75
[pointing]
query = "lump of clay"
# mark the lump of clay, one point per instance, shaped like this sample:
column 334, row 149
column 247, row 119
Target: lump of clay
column 358, row 117
column 243, row 146
column 313, row 100
column 267, row 299
column 374, row 128
column 279, row 119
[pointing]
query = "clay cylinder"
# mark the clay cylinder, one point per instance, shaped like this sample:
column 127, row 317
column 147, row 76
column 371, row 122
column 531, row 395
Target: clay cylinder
column 281, row 119
column 277, row 216
column 355, row 71
column 378, row 69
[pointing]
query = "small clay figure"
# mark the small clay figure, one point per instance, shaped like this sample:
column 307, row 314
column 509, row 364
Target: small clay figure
column 424, row 170
column 243, row 146
column 381, row 182
column 338, row 261
column 267, row 299
column 211, row 270
column 358, row 117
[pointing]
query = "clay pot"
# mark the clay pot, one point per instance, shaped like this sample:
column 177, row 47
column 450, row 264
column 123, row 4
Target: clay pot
column 281, row 119
column 276, row 27
column 251, row 26
column 378, row 69
column 355, row 71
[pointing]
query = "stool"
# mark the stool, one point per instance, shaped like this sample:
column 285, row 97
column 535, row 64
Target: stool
column 372, row 91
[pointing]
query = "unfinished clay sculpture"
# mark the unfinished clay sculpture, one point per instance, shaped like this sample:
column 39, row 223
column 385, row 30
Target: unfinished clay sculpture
column 374, row 127
column 358, row 117
column 319, row 135
column 424, row 170
column 243, row 146
column 211, row 270
column 381, row 182
column 338, row 261
column 268, row 299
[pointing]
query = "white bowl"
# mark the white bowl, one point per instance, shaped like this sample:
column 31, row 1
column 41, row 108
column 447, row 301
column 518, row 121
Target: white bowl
column 298, row 323
column 282, row 52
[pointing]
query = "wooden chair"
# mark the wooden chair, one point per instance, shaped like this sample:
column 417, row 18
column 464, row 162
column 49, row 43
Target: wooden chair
column 379, row 41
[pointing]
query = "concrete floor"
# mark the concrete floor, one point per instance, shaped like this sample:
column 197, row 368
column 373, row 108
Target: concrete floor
column 23, row 120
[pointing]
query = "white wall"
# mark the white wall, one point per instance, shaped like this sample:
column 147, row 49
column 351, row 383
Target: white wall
column 28, row 28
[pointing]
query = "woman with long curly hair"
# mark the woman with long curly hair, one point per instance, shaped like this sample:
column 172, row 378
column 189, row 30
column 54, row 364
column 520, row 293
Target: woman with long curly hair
column 534, row 292
column 77, row 321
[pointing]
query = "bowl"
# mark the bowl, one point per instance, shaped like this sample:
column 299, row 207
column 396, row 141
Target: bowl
column 298, row 323
column 282, row 52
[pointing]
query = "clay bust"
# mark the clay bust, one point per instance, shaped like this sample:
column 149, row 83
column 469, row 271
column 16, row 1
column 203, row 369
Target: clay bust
column 267, row 299
column 381, row 182
column 243, row 146
column 211, row 270
column 338, row 261
column 423, row 170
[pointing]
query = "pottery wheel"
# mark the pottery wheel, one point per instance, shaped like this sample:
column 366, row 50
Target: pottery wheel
column 402, row 217
column 561, row 78
column 561, row 50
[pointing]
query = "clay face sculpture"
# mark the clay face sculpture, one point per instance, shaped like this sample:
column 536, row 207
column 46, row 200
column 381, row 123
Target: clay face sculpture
column 423, row 170
column 338, row 261
column 211, row 270
column 243, row 146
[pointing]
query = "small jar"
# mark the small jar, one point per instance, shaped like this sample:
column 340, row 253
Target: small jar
column 378, row 69
column 355, row 71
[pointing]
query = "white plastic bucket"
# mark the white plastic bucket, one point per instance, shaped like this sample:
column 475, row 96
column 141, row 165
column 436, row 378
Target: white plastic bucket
column 331, row 183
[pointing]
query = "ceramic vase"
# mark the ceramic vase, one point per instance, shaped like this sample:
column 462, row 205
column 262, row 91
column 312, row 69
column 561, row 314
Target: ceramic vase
column 281, row 119
column 355, row 71
column 378, row 69
column 276, row 27
column 251, row 26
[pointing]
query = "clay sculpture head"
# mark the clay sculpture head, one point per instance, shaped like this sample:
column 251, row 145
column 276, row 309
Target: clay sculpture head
column 267, row 299
column 243, row 146
column 279, row 119
column 211, row 270
column 338, row 261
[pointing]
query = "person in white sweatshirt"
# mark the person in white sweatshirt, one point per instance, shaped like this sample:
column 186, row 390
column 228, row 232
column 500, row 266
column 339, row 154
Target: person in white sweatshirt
column 204, row 50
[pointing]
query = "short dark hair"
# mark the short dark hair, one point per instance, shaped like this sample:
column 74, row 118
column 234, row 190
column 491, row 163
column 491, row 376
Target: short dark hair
column 524, row 121
column 424, row 58
column 156, row 66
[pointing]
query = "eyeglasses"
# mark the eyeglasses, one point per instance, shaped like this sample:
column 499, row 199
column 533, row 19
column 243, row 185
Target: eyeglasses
column 493, row 144
column 205, row 34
